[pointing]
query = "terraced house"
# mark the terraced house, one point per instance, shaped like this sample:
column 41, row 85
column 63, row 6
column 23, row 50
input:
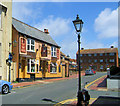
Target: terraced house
column 36, row 54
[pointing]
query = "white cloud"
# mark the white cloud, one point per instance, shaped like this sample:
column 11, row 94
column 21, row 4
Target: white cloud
column 23, row 12
column 106, row 24
column 56, row 26
column 69, row 47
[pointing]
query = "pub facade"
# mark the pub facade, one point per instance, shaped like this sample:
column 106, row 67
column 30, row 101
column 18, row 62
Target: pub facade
column 36, row 54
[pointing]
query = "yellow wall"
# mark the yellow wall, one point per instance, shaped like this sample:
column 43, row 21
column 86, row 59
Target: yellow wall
column 38, row 46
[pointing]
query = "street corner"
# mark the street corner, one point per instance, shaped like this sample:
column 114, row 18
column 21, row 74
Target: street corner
column 99, row 84
column 72, row 102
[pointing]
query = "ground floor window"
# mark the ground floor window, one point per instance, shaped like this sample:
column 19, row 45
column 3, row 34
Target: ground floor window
column 53, row 68
column 101, row 67
column 31, row 65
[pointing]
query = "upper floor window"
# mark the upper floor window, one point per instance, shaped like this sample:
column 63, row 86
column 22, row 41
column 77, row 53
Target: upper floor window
column 101, row 54
column 105, row 54
column 112, row 60
column 89, row 55
column 111, row 54
column 0, row 16
column 89, row 61
column 101, row 60
column 95, row 54
column 30, row 45
column 95, row 60
column 53, row 52
column 44, row 50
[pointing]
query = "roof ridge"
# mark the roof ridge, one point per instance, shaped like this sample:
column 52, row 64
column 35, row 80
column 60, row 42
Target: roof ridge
column 28, row 25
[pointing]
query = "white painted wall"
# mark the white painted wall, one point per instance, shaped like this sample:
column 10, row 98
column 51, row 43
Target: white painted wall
column 113, row 83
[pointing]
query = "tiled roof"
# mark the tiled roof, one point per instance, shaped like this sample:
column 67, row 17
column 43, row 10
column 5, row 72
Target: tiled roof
column 62, row 54
column 100, row 50
column 32, row 32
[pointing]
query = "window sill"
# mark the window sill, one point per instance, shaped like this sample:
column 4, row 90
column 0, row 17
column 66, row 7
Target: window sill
column 53, row 72
column 30, row 72
column 30, row 51
column 54, row 56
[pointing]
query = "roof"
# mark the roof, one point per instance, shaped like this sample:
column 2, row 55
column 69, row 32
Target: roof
column 62, row 54
column 100, row 50
column 32, row 32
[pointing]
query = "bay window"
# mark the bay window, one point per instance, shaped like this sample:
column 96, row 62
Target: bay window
column 31, row 65
column 30, row 45
column 53, row 52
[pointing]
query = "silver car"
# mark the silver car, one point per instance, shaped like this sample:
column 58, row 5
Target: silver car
column 89, row 72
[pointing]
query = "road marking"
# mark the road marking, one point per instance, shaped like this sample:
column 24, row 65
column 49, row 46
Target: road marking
column 71, row 100
column 86, row 87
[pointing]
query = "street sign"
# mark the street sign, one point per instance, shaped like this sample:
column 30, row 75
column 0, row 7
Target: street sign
column 10, row 56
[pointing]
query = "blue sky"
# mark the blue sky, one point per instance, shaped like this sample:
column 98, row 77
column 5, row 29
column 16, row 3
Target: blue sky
column 100, row 29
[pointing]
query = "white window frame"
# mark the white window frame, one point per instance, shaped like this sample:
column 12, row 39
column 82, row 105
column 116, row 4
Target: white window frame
column 0, row 16
column 54, row 51
column 37, row 64
column 51, row 71
column 30, row 66
column 30, row 45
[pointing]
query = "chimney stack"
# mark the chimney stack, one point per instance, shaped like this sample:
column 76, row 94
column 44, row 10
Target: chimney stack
column 46, row 31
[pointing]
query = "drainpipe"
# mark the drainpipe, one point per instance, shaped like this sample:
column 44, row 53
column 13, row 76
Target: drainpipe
column 18, row 56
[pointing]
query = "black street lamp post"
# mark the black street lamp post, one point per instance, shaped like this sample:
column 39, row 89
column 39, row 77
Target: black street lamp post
column 78, row 23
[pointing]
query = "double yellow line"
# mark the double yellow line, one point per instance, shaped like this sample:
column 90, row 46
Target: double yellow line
column 86, row 87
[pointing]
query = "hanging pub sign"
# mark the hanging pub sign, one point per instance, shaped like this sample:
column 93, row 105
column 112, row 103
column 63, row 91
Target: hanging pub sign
column 58, row 54
column 23, row 45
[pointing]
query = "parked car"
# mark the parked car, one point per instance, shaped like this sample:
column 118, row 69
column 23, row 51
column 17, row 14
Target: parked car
column 5, row 87
column 90, row 72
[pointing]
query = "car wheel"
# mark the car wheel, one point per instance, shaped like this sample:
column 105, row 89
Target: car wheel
column 5, row 89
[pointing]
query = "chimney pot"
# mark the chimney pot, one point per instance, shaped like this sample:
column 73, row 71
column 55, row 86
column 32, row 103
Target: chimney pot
column 46, row 31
